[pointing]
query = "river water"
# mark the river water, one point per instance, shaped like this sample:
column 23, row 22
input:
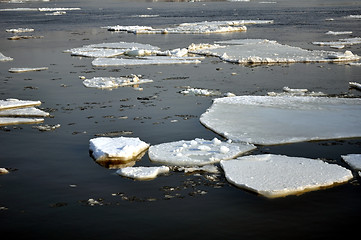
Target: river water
column 52, row 177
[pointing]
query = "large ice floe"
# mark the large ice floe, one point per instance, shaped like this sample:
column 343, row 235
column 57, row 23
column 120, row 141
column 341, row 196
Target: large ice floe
column 277, row 175
column 142, row 173
column 114, row 82
column 14, row 111
column 122, row 149
column 197, row 152
column 204, row 27
column 263, row 51
column 268, row 120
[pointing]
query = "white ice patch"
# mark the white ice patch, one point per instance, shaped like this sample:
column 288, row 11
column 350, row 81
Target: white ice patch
column 16, row 103
column 340, row 42
column 277, row 175
column 121, row 148
column 296, row 92
column 150, row 60
column 20, row 70
column 113, row 82
column 263, row 51
column 338, row 33
column 355, row 85
column 197, row 152
column 354, row 160
column 4, row 58
column 268, row 120
column 200, row 92
column 142, row 173
column 205, row 27
column 205, row 168
column 3, row 171
column 19, row 30
column 23, row 112
column 16, row 120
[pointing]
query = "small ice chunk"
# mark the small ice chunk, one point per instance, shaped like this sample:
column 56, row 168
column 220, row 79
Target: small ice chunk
column 16, row 103
column 58, row 9
column 3, row 171
column 19, row 30
column 3, row 58
column 354, row 160
column 203, row 153
column 338, row 33
column 205, row 168
column 355, row 85
column 269, row 120
column 295, row 90
column 142, row 173
column 120, row 148
column 47, row 128
column 113, row 82
column 200, row 92
column 277, row 175
column 20, row 70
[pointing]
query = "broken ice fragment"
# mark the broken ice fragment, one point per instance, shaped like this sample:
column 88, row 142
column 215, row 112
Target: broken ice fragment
column 118, row 149
column 200, row 92
column 151, row 60
column 19, row 30
column 142, row 173
column 3, row 58
column 23, row 112
column 263, row 51
column 354, row 160
column 3, row 171
column 345, row 41
column 20, row 70
column 197, row 152
column 12, row 121
column 16, row 103
column 113, row 82
column 205, row 168
column 46, row 128
column 338, row 33
column 355, row 85
column 277, row 175
column 267, row 120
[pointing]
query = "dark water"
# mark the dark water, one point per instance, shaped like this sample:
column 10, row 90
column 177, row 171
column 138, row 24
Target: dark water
column 52, row 175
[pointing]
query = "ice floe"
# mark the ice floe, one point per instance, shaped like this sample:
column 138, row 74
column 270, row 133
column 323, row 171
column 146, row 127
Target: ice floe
column 200, row 92
column 278, row 175
column 20, row 70
column 355, row 85
column 39, row 9
column 19, row 30
column 205, row 27
column 149, row 60
column 205, row 168
column 3, row 171
column 354, row 161
column 197, row 152
column 296, row 92
column 263, row 51
column 353, row 16
column 3, row 58
column 20, row 37
column 14, row 111
column 268, row 120
column 340, row 43
column 117, row 149
column 142, row 173
column 114, row 82
column 338, row 33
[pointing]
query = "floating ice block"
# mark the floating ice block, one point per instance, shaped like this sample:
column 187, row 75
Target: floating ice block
column 278, row 175
column 142, row 173
column 16, row 103
column 268, row 120
column 354, row 160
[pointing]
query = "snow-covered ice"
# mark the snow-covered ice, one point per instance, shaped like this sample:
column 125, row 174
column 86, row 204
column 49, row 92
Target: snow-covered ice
column 204, row 27
column 268, row 120
column 19, row 30
column 197, row 152
column 142, row 173
column 119, row 149
column 16, row 103
column 338, row 33
column 113, row 82
column 278, row 175
column 16, row 120
column 354, row 160
column 150, row 60
column 4, row 58
column 263, row 51
column 23, row 112
column 20, row 70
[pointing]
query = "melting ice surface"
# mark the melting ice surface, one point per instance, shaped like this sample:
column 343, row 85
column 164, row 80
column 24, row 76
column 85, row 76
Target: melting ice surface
column 263, row 51
column 121, row 148
column 113, row 82
column 268, row 120
column 197, row 152
column 278, row 175
column 142, row 173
